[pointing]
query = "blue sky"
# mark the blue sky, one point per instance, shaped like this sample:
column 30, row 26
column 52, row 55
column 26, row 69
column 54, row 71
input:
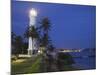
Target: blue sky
column 73, row 26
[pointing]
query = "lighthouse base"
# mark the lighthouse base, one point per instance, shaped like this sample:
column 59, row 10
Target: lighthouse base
column 30, row 52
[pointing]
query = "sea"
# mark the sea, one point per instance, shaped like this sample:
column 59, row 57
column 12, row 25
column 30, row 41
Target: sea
column 86, row 59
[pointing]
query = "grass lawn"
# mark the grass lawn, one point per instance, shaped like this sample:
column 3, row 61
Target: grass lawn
column 35, row 65
column 30, row 65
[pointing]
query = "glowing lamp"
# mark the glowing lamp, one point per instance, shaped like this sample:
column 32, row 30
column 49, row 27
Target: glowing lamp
column 33, row 12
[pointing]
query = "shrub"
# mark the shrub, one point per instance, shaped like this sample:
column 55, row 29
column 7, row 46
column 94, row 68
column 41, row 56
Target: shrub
column 64, row 59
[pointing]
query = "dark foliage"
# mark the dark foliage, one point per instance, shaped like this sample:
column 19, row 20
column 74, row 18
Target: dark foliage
column 31, row 31
column 64, row 59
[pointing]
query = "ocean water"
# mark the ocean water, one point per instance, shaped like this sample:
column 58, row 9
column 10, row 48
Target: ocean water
column 86, row 59
column 85, row 62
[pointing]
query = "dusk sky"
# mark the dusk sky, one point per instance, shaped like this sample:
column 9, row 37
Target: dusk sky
column 73, row 26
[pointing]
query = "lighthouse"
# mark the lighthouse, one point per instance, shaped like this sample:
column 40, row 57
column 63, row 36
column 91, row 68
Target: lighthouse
column 32, row 42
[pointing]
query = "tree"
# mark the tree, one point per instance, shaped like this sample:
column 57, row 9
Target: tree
column 13, row 35
column 46, row 43
column 64, row 59
column 31, row 31
column 24, row 47
column 18, row 45
column 45, row 40
column 45, row 27
column 51, row 48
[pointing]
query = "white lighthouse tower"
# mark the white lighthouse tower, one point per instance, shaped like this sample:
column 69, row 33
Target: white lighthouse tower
column 32, row 44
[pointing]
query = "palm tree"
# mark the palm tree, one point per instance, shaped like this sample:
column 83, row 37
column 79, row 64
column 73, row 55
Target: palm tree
column 45, row 40
column 31, row 31
column 45, row 27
